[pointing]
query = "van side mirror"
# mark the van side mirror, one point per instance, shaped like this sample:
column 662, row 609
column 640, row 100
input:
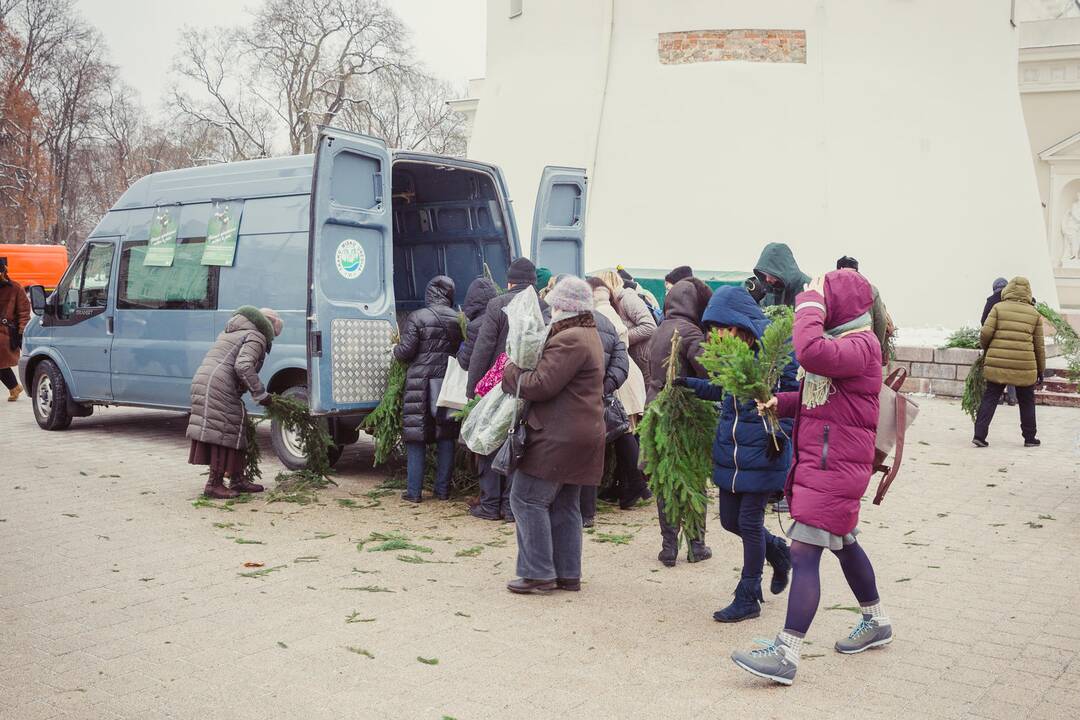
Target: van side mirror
column 37, row 299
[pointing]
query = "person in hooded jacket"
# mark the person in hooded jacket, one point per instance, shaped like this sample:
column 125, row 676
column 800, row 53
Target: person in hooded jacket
column 490, row 342
column 836, row 414
column 780, row 275
column 683, row 306
column 994, row 299
column 430, row 335
column 216, row 424
column 748, row 465
column 481, row 291
column 1012, row 337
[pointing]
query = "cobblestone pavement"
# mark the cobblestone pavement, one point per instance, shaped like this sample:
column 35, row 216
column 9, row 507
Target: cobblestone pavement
column 120, row 599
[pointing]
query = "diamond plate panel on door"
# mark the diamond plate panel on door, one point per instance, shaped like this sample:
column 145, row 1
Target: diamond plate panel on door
column 362, row 351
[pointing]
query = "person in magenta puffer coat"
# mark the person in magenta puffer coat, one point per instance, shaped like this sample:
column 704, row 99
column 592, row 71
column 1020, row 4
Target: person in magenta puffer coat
column 836, row 414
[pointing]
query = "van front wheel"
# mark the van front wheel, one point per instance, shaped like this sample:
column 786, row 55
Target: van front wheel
column 286, row 442
column 50, row 397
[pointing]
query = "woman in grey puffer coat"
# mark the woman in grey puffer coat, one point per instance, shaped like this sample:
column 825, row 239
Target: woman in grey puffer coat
column 230, row 368
column 429, row 337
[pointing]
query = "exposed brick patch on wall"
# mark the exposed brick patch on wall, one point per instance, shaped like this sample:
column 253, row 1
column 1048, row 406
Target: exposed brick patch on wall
column 748, row 45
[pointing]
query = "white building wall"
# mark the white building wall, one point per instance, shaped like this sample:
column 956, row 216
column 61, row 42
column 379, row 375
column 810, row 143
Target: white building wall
column 900, row 140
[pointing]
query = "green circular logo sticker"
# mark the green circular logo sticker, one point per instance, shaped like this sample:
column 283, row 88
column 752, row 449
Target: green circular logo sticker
column 350, row 259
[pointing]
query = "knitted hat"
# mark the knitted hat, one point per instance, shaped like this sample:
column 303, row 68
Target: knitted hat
column 571, row 295
column 680, row 273
column 275, row 320
column 847, row 262
column 1000, row 284
column 522, row 272
column 543, row 276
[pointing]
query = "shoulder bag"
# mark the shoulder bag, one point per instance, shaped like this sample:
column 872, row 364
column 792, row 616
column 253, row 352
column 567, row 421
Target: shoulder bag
column 509, row 456
column 895, row 415
column 616, row 421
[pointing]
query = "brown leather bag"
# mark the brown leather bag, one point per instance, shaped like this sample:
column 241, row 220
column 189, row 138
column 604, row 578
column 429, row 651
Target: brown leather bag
column 895, row 415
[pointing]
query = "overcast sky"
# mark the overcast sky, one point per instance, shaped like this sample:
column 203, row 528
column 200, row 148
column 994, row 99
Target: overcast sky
column 448, row 35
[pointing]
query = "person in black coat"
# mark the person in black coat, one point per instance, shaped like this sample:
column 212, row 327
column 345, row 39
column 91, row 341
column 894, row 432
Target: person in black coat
column 481, row 292
column 1009, row 395
column 490, row 342
column 429, row 337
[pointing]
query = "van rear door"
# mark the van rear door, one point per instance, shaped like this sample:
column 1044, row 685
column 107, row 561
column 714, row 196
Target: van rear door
column 350, row 324
column 558, row 232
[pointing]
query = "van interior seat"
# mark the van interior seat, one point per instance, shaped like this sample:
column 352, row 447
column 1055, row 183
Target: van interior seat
column 447, row 221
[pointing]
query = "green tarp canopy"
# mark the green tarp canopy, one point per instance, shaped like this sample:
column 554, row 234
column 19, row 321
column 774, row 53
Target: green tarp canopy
column 653, row 279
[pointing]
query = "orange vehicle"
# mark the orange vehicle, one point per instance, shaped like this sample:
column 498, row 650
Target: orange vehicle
column 35, row 264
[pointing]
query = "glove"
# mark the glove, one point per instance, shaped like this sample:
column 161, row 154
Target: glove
column 679, row 382
column 1039, row 379
column 775, row 451
column 265, row 402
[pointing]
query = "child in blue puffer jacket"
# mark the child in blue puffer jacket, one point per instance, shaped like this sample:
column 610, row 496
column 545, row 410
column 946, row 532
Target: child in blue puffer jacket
column 747, row 467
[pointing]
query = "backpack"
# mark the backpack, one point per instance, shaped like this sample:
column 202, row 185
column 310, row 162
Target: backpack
column 657, row 313
column 896, row 414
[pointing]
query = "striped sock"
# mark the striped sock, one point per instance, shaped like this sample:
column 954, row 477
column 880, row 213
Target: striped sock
column 793, row 640
column 876, row 613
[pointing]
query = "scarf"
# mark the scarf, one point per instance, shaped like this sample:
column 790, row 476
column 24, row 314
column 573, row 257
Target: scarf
column 816, row 388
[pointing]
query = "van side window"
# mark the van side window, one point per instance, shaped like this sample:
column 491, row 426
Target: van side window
column 86, row 284
column 186, row 285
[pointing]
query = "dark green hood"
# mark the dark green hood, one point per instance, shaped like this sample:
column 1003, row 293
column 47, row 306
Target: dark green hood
column 777, row 260
column 263, row 325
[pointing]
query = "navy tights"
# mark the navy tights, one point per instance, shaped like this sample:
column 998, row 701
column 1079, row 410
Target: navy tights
column 805, row 593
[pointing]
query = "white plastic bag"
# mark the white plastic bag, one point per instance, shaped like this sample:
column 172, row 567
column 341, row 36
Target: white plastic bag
column 487, row 425
column 452, row 395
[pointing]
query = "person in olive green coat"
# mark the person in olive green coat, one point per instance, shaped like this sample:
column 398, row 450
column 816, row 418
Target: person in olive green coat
column 1012, row 338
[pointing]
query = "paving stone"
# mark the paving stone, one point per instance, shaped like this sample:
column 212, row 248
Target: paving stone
column 156, row 621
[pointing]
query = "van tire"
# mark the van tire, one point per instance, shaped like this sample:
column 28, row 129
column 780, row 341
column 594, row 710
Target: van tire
column 49, row 395
column 285, row 450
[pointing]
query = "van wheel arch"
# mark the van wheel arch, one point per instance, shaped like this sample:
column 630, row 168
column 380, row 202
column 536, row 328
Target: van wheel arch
column 284, row 444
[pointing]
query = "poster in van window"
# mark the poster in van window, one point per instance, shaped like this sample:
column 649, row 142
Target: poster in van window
column 221, row 232
column 163, row 231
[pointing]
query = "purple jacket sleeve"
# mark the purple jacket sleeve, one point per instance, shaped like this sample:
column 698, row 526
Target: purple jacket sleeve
column 816, row 353
column 787, row 403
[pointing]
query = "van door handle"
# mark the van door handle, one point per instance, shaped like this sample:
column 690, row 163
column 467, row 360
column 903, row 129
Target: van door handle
column 377, row 180
column 109, row 325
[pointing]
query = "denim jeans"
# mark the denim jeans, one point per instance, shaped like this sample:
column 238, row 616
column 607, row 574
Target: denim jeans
column 743, row 514
column 416, row 462
column 548, row 528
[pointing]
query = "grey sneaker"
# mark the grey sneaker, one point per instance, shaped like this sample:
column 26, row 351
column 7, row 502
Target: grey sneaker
column 775, row 661
column 867, row 634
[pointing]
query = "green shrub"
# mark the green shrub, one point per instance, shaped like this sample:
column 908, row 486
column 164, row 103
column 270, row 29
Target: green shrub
column 965, row 337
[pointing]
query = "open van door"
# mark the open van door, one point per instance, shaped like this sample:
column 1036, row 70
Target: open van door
column 351, row 323
column 558, row 233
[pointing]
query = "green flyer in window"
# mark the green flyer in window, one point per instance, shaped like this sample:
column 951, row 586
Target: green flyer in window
column 221, row 231
column 163, row 231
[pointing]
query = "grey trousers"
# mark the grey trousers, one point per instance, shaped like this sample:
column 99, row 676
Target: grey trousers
column 548, row 528
column 494, row 490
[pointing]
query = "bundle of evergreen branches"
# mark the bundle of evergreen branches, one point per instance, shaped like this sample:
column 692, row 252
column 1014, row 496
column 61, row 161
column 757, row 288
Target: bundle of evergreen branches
column 974, row 386
column 463, row 413
column 751, row 373
column 965, row 337
column 384, row 422
column 315, row 443
column 1066, row 338
column 676, row 436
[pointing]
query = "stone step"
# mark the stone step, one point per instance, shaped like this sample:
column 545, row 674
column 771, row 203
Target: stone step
column 1057, row 399
column 1058, row 385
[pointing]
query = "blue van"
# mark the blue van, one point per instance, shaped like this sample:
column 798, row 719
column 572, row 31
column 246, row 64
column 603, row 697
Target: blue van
column 342, row 243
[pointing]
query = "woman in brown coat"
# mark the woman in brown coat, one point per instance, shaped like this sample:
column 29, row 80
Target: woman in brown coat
column 14, row 314
column 565, row 450
column 1012, row 337
column 230, row 368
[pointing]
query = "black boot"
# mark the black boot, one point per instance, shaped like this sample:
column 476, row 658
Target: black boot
column 746, row 605
column 698, row 550
column 779, row 558
column 669, row 553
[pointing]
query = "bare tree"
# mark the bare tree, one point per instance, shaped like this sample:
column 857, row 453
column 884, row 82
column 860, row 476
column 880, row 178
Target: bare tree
column 409, row 111
column 222, row 97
